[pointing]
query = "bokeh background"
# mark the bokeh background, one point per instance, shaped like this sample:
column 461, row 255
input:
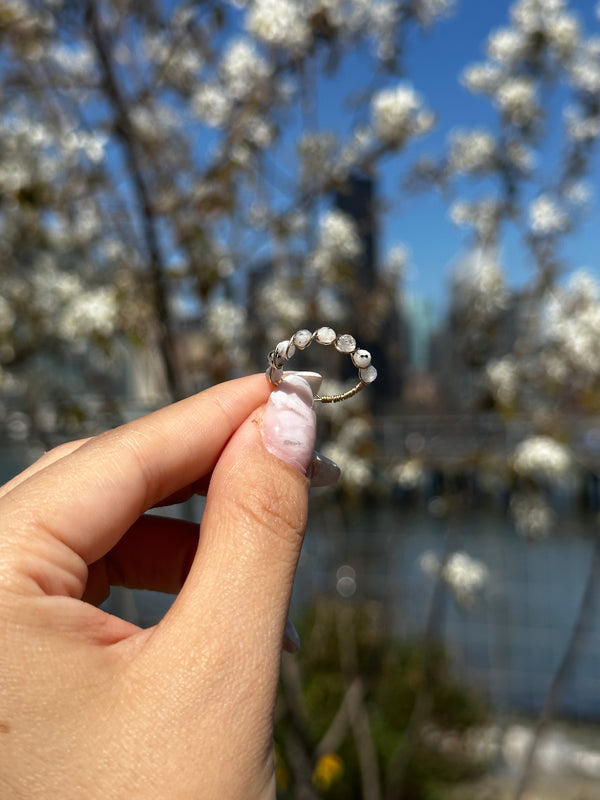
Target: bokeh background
column 185, row 184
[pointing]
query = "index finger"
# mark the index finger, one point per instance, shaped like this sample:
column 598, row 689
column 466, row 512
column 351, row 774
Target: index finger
column 90, row 497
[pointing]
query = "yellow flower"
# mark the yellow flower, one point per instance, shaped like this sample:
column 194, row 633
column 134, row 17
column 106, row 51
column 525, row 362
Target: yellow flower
column 282, row 776
column 328, row 770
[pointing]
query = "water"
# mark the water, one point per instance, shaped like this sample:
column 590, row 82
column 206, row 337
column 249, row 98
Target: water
column 508, row 643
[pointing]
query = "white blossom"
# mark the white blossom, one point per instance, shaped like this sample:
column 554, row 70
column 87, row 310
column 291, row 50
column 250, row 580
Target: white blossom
column 282, row 306
column 484, row 78
column 502, row 376
column 582, row 128
column 398, row 114
column 408, row 474
column 258, row 131
column 382, row 26
column 281, row 23
column 430, row 10
column 356, row 472
column 464, row 575
column 154, row 124
column 482, row 215
column 578, row 336
column 352, row 153
column 338, row 244
column 53, row 289
column 87, row 222
column 330, row 306
column 516, row 98
column 479, row 284
column 579, row 193
column 471, row 151
column 225, row 322
column 563, row 33
column 76, row 60
column 338, row 235
column 211, row 105
column 570, row 324
column 532, row 515
column 91, row 313
column 242, row 68
column 396, row 261
column 354, row 432
column 542, row 458
column 179, row 65
column 585, row 70
column 582, row 286
column 546, row 217
column 533, row 15
column 520, row 156
column 506, row 45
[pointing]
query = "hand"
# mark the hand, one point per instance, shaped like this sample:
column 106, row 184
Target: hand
column 91, row 706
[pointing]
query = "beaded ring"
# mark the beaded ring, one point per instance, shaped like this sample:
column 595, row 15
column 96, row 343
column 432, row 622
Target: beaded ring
column 325, row 336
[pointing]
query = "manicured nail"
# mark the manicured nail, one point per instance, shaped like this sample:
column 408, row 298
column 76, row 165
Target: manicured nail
column 291, row 640
column 313, row 378
column 289, row 425
column 323, row 471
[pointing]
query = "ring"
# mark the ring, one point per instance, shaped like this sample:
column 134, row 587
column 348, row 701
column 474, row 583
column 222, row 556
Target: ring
column 325, row 336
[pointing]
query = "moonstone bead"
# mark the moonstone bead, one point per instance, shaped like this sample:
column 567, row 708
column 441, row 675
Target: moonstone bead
column 325, row 336
column 284, row 349
column 276, row 359
column 361, row 358
column 367, row 375
column 274, row 374
column 302, row 338
column 345, row 343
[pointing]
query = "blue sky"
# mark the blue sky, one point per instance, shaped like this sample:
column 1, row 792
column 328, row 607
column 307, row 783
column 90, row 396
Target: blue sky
column 434, row 62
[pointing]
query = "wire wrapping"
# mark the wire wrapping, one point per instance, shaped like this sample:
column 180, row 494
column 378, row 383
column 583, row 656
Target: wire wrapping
column 325, row 336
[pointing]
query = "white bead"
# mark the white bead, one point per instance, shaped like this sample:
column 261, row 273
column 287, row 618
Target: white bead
column 345, row 343
column 367, row 375
column 302, row 338
column 284, row 349
column 275, row 375
column 325, row 336
column 361, row 358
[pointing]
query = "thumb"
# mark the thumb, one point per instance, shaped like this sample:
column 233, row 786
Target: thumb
column 239, row 586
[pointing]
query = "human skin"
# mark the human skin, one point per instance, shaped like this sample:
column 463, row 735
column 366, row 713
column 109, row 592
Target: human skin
column 91, row 706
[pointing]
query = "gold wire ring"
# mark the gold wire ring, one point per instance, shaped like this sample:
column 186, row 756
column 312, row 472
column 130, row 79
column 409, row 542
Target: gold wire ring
column 325, row 336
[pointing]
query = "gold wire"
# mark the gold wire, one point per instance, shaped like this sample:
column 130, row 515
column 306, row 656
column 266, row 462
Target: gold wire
column 337, row 398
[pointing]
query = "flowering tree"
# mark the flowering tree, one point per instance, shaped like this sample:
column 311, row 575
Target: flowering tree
column 533, row 351
column 165, row 212
column 162, row 185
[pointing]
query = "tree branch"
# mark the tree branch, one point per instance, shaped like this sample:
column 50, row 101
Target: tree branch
column 125, row 132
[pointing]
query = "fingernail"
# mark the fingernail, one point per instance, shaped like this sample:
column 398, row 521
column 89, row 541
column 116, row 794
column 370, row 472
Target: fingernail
column 323, row 471
column 313, row 379
column 291, row 640
column 289, row 425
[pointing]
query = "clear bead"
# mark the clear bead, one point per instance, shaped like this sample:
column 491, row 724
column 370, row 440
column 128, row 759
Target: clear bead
column 345, row 343
column 367, row 375
column 361, row 358
column 325, row 336
column 302, row 338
